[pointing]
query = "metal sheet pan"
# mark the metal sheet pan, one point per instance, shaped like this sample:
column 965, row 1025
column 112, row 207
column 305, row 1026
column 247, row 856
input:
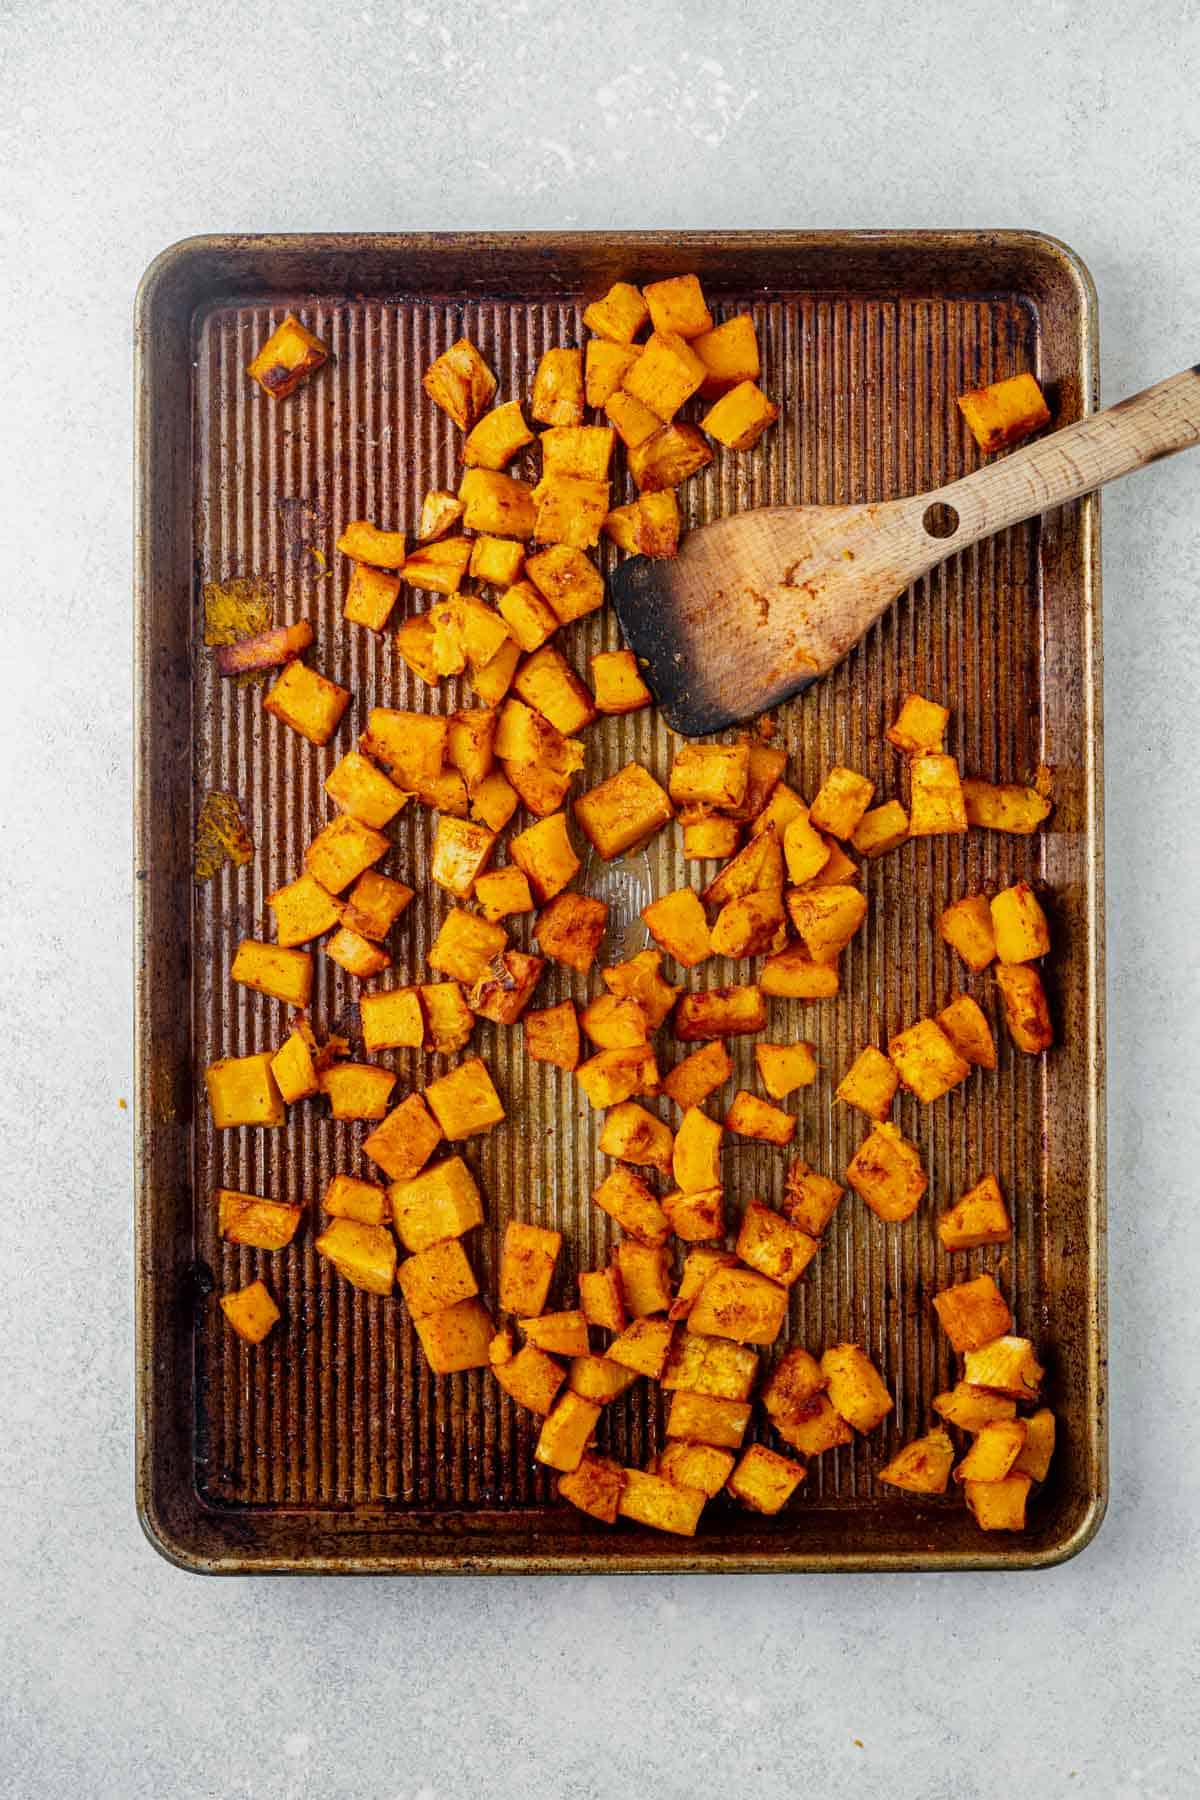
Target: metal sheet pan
column 331, row 1449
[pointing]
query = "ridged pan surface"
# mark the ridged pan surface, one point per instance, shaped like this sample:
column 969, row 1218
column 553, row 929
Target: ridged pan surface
column 332, row 1446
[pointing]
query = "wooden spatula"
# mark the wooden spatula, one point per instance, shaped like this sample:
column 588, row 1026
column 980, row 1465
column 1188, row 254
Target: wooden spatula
column 756, row 606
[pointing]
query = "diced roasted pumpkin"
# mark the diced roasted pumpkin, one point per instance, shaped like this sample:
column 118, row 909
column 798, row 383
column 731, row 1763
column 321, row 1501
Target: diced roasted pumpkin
column 567, row 1433
column 697, row 1466
column 558, row 388
column 618, row 686
column 358, row 955
column 465, row 946
column 414, row 640
column 495, row 440
column 357, row 787
column 1026, row 1011
column 739, row 418
column 437, row 1277
column 922, row 1467
column 290, row 355
column 771, row 1244
column 636, row 1136
column 460, row 382
column 599, row 1379
column 677, row 922
column 270, row 969
column 294, row 1067
column 708, row 836
column 669, row 457
column 622, row 810
column 653, row 1501
column 496, row 504
column 405, row 1141
column 412, row 744
column 449, row 1021
column 595, row 1487
column 579, row 450
column 308, row 702
column 460, row 854
column 465, row 1102
column 601, row 1298
column 560, row 1333
column 569, row 509
column 667, row 373
column 920, row 726
column 440, row 1202
column 1021, row 928
column 886, row 1173
column 710, row 775
column 1006, row 1366
column 615, row 1075
column 1004, row 412
column 349, row 1197
column 814, row 1426
column 251, row 1311
column 690, row 1082
column 618, row 315
column 881, row 829
column 706, row 1419
column 965, row 1024
column 632, row 421
column 698, row 1265
column 783, row 806
column 547, row 682
column 364, row 1254
column 805, row 849
column 456, row 1337
column 970, row 1408
column 936, row 804
column 750, row 1117
column 926, row 1061
column 552, row 1035
column 492, row 680
column 303, row 910
column 791, row 974
column 826, row 918
column 645, row 1278
column 765, row 1481
column 370, row 597
column 624, row 1196
column 643, row 1346
column 1038, row 1448
column 357, row 1090
column 647, row 526
column 972, row 1313
column 527, row 1267
column 252, row 1219
column 440, row 511
column 1004, row 807
column 696, row 1217
column 749, row 926
column 342, row 850
column 796, row 1379
column 570, row 929
column 810, row 1199
column 640, row 979
column 696, row 1155
column 720, row 1013
column 869, row 1083
column 605, row 366
column 242, row 1091
column 677, row 304
column 367, row 543
column 710, row 1365
column 966, row 925
column 998, row 1505
column 729, row 353
column 470, row 745
column 506, row 987
column 740, row 1304
column 530, row 617
column 996, row 1448
column 439, row 568
column 568, row 580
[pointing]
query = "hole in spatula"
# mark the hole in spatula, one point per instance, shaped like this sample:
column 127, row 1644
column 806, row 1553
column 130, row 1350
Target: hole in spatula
column 940, row 521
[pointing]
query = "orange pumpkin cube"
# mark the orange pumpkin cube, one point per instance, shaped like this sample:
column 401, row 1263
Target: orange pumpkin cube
column 805, row 849
column 404, row 1142
column 624, row 1196
column 973, row 1313
column 560, row 1333
column 740, row 1304
column 465, row 1102
column 497, row 562
column 460, row 853
column 547, row 682
column 342, row 850
column 530, row 618
column 674, row 453
column 439, row 568
column 303, row 910
column 869, row 1083
column 449, row 1021
column 645, row 1276
column 570, row 583
column 527, row 1267
column 690, row 1082
column 567, row 1433
column 348, row 1197
column 465, row 945
column 652, row 1501
column 503, row 892
column 750, row 925
column 639, row 979
column 357, row 787
column 455, row 1337
column 710, row 775
column 826, row 918
column 855, row 1387
column 495, row 440
column 531, row 1378
column 595, row 1487
column 719, row 1013
column 370, row 597
column 696, row 1155
column 1038, row 1448
column 792, row 975
column 920, row 726
column 1006, row 1366
column 706, row 1419
column 782, row 1068
column 622, row 810
column 614, row 1024
column 996, row 1448
column 584, row 451
column 601, row 1299
column 966, row 1026
column 971, row 1408
column 810, row 1199
column 697, row 1217
column 926, row 1061
column 506, row 987
column 358, row 955
column 1026, row 1011
column 558, row 388
column 750, row 1117
column 1006, row 806
column 678, row 923
column 618, row 315
column 922, row 1467
column 599, row 1379
column 633, row 422
column 367, row 543
column 440, row 1202
column 697, row 1466
column 814, row 1427
column 618, row 686
column 698, row 1265
column 667, row 373
column 494, row 800
column 437, row 1277
column 365, row 1255
column 936, row 803
column 881, row 829
column 796, row 1379
column 774, row 1246
column 492, row 680
column 460, row 382
column 496, row 504
column 886, row 1173
column 677, row 304
column 251, row 1311
column 1004, row 412
column 570, row 929
column 739, row 418
column 757, row 868
column 706, row 835
column 1020, row 926
column 643, row 1346
column 357, row 1090
column 636, row 1136
column 308, row 702
column 966, row 925
column 242, row 1091
column 729, row 353
column 252, row 1219
column 290, row 355
column 998, row 1505
column 570, row 510
column 615, row 1075
column 605, row 366
column 765, row 1481
column 293, row 1065
column 552, row 1035
column 270, row 969
column 414, row 640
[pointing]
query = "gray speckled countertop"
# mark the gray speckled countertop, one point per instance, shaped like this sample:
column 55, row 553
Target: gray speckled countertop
column 125, row 127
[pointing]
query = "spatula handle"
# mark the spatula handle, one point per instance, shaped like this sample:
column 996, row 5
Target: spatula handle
column 1065, row 464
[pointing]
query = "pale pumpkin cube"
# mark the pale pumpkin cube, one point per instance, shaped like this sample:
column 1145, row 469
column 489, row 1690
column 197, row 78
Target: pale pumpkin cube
column 440, row 512
column 360, row 956
column 677, row 304
column 618, row 315
column 495, row 504
column 739, row 418
column 601, row 1298
column 979, row 1218
column 1038, row 1448
column 618, row 687
column 531, row 1378
column 503, row 892
column 449, row 1021
column 414, row 641
column 633, row 422
column 567, row 580
column 437, row 1277
column 571, row 928
column 791, row 974
column 729, row 353
column 972, row 1314
column 640, row 979
column 293, row 1065
column 643, row 1346
column 840, row 871
column 805, row 850
column 1004, row 412
column 856, row 1389
column 615, row 1075
column 1026, row 1009
column 998, row 1505
column 765, row 1481
column 584, row 451
column 710, row 1365
column 826, row 918
column 558, row 388
column 625, row 1197
column 494, row 800
column 773, row 1245
column 242, row 1091
column 653, row 1501
column 405, row 1141
column 621, row 811
column 966, row 925
column 796, row 1379
column 251, row 1311
column 677, row 922
column 663, row 461
column 841, row 802
column 527, row 1262
column 1021, row 928
column 614, row 1024
column 374, row 904
column 254, row 1220
column 367, row 543
column 357, row 1090
column 595, row 1487
column 698, row 1466
column 546, row 855
column 531, row 618
column 560, row 1333
column 349, row 1197
column 439, row 568
column 690, row 1082
column 460, row 382
column 696, row 1156
column 460, row 854
column 605, row 366
column 970, row 1408
column 645, row 1278
column 357, row 787
column 922, row 1467
column 783, row 806
column 926, row 1061
column 290, row 355
column 1004, row 806
column 936, row 803
column 996, row 1448
column 599, row 1379
column 495, row 440
column 698, row 1265
column 708, row 836
column 492, row 680
column 464, row 1101
column 920, row 726
column 465, row 945
column 696, row 1217
column 704, row 1419
column 497, row 562
column 869, row 1083
column 341, row 852
column 456, row 1337
column 965, row 1024
column 270, row 969
column 567, row 1432
column 740, row 1304
column 881, row 829
column 750, row 1117
column 810, row 1199
column 303, row 910
column 569, row 509
column 365, row 1255
column 814, row 1427
column 442, row 1202
column 647, row 526
column 710, row 775
column 667, row 373
column 635, row 1135
column 506, row 987
column 1005, row 1366
column 370, row 597
column 749, row 926
column 886, row 1173
column 547, row 682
